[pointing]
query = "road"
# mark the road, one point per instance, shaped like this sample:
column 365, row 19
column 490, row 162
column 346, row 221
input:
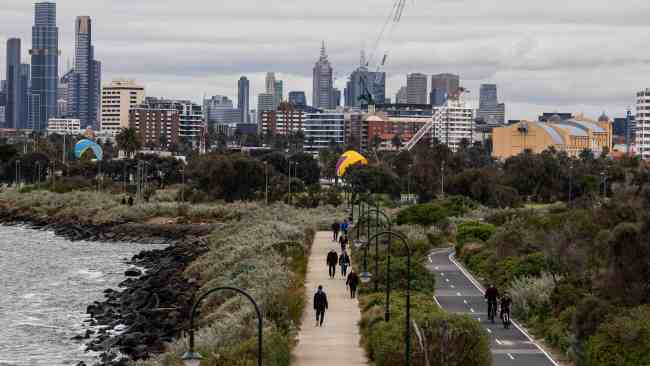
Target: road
column 458, row 292
column 338, row 341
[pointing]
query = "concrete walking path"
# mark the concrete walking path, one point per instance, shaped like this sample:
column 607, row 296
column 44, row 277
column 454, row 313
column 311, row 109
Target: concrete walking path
column 458, row 292
column 337, row 342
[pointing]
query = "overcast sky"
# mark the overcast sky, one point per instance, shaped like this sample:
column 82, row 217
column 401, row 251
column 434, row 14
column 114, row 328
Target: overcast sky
column 555, row 55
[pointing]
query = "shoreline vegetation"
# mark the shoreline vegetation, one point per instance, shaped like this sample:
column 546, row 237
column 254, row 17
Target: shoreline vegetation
column 144, row 320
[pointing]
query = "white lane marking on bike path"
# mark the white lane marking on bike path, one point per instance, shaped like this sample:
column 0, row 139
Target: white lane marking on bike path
column 511, row 356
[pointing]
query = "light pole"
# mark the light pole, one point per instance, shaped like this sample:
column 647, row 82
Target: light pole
column 442, row 178
column 603, row 177
column 290, row 164
column 378, row 212
column 266, row 182
column 183, row 184
column 193, row 358
column 18, row 174
column 570, row 184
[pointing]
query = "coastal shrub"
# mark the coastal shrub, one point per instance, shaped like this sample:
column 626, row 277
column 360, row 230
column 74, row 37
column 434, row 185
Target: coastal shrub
column 473, row 231
column 531, row 296
column 467, row 344
column 623, row 340
column 425, row 214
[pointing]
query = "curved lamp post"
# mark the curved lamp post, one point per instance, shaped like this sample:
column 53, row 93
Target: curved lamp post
column 407, row 333
column 377, row 212
column 193, row 358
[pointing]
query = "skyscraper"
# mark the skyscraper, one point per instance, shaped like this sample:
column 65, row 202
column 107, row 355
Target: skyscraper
column 244, row 99
column 443, row 86
column 16, row 109
column 642, row 119
column 278, row 93
column 416, row 88
column 264, row 104
column 270, row 83
column 85, row 86
column 402, row 96
column 45, row 64
column 298, row 98
column 323, row 82
column 490, row 110
column 336, row 97
column 362, row 81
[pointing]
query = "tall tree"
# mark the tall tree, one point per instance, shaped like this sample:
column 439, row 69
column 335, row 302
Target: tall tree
column 128, row 140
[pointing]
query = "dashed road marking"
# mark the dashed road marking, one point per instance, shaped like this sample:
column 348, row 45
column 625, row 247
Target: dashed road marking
column 442, row 274
column 465, row 302
column 498, row 341
column 447, row 279
column 511, row 356
column 452, row 286
column 472, row 310
column 437, row 267
column 458, row 294
column 489, row 330
column 430, row 260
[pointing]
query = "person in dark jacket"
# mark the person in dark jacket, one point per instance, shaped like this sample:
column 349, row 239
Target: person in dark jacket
column 344, row 262
column 345, row 227
column 506, row 301
column 343, row 240
column 352, row 283
column 332, row 260
column 336, row 228
column 130, row 200
column 492, row 296
column 320, row 305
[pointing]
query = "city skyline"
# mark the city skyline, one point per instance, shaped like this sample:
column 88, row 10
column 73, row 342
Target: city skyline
column 536, row 67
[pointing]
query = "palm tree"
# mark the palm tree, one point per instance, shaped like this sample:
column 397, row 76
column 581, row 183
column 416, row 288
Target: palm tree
column 128, row 141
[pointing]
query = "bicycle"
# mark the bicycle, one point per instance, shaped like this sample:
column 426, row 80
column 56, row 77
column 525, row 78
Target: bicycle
column 505, row 318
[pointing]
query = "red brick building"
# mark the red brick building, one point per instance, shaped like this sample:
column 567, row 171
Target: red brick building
column 157, row 128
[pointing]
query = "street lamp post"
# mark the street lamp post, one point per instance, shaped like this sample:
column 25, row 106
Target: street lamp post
column 442, row 178
column 17, row 174
column 378, row 212
column 266, row 182
column 603, row 177
column 193, row 358
column 570, row 184
column 407, row 332
column 183, row 184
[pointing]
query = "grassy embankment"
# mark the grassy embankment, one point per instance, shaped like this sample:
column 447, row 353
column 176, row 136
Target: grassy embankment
column 243, row 253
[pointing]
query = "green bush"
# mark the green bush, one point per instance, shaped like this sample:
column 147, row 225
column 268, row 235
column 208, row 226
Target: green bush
column 473, row 231
column 467, row 344
column 622, row 341
column 423, row 214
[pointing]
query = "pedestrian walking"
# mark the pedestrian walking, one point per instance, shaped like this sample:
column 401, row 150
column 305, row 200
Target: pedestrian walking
column 130, row 200
column 345, row 226
column 320, row 305
column 344, row 262
column 332, row 260
column 343, row 240
column 352, row 283
column 336, row 228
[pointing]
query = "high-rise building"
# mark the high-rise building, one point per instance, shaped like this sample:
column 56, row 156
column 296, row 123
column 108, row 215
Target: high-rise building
column 269, row 84
column 244, row 99
column 17, row 103
column 443, row 86
column 118, row 98
column 265, row 103
column 336, row 97
column 298, row 98
column 157, row 126
column 278, row 93
column 490, row 110
column 416, row 88
column 453, row 124
column 219, row 110
column 402, row 96
column 323, row 129
column 45, row 64
column 323, row 82
column 191, row 124
column 85, row 84
column 362, row 82
column 3, row 103
column 642, row 120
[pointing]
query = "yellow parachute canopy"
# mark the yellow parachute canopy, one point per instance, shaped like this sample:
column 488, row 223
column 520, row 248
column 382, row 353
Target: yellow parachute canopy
column 348, row 159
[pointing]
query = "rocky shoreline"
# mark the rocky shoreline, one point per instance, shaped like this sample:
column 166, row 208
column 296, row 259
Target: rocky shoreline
column 150, row 307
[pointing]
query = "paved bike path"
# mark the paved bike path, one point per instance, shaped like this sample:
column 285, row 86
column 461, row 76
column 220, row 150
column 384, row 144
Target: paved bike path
column 337, row 342
column 458, row 292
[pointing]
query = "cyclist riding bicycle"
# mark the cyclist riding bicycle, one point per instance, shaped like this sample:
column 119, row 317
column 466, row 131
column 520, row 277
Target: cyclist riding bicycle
column 492, row 296
column 506, row 301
